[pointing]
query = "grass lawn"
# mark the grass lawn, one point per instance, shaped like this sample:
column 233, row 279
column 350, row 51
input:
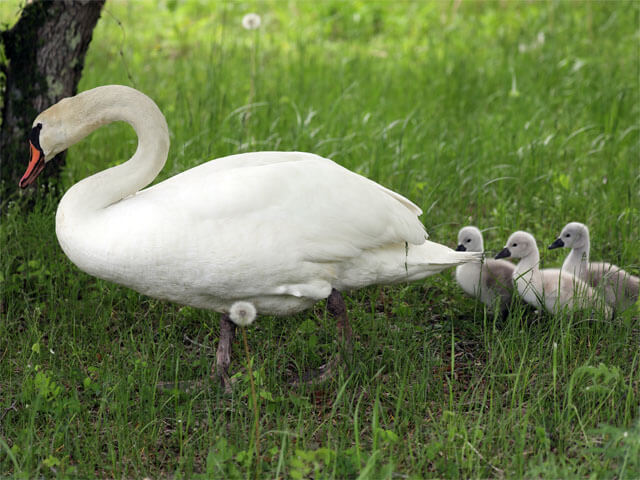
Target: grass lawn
column 506, row 115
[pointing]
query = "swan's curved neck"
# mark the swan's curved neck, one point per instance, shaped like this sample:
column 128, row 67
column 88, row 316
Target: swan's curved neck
column 82, row 114
column 577, row 260
column 528, row 265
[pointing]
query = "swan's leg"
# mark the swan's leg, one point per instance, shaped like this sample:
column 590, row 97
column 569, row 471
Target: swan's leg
column 223, row 355
column 338, row 310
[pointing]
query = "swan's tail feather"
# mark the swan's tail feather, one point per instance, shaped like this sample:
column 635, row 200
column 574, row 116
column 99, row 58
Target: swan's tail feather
column 436, row 263
column 435, row 258
column 460, row 258
column 440, row 255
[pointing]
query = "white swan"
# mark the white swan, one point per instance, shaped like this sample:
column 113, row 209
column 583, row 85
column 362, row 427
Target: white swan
column 620, row 287
column 550, row 288
column 491, row 281
column 280, row 230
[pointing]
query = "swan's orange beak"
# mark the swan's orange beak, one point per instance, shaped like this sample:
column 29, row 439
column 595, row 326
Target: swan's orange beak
column 36, row 164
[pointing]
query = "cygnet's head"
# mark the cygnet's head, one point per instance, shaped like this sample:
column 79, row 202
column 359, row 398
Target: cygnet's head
column 470, row 240
column 573, row 235
column 520, row 245
column 242, row 313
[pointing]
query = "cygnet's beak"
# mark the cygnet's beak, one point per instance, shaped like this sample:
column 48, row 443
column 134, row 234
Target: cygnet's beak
column 557, row 244
column 503, row 253
column 461, row 248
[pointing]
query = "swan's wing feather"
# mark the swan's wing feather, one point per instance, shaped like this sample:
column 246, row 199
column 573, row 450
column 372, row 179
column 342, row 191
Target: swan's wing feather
column 258, row 159
column 302, row 202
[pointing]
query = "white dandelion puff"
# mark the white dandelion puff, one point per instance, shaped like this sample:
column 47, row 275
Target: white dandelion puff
column 251, row 21
column 514, row 85
column 540, row 38
column 578, row 65
column 242, row 313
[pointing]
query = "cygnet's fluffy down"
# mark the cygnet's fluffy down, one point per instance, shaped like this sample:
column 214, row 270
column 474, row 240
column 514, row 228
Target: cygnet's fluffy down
column 551, row 289
column 619, row 287
column 492, row 281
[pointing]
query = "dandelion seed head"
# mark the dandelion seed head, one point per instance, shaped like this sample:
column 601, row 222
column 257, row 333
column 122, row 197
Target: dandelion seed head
column 251, row 21
column 579, row 63
column 242, row 313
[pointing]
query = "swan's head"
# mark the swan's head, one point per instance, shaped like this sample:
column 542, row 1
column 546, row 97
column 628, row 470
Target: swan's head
column 470, row 240
column 73, row 118
column 242, row 313
column 573, row 235
column 46, row 140
column 519, row 245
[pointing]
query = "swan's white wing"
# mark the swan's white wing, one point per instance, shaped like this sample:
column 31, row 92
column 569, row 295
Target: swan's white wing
column 258, row 159
column 317, row 209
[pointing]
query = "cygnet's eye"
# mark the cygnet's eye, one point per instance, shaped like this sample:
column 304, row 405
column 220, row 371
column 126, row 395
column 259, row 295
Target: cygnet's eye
column 514, row 245
column 468, row 240
column 567, row 235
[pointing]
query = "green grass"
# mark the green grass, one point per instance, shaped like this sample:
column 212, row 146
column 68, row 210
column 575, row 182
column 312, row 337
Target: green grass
column 504, row 115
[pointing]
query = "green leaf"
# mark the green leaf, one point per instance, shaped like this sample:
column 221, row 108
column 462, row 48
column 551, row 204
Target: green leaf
column 51, row 461
column 308, row 326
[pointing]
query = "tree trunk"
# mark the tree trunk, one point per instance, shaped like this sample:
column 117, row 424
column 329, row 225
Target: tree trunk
column 44, row 54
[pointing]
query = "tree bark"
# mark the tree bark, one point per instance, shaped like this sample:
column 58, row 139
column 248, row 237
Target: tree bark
column 44, row 55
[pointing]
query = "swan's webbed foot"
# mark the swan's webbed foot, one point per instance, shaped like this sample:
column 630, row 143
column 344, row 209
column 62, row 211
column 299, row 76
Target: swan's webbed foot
column 338, row 310
column 223, row 355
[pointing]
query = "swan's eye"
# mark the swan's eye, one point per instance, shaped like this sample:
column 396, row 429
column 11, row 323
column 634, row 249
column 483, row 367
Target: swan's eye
column 514, row 245
column 468, row 240
column 567, row 235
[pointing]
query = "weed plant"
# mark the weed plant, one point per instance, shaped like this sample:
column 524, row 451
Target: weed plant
column 506, row 115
